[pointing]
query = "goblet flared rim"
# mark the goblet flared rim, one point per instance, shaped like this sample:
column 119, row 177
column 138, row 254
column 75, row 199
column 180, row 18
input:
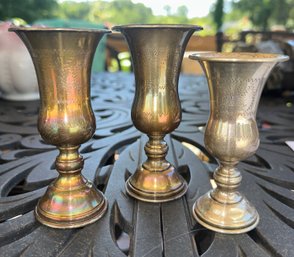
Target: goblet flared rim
column 60, row 29
column 238, row 57
column 156, row 26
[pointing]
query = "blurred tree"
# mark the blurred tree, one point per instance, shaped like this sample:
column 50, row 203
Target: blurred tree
column 74, row 10
column 290, row 21
column 125, row 11
column 182, row 13
column 284, row 13
column 218, row 14
column 180, row 16
column 167, row 8
column 205, row 22
column 102, row 11
column 264, row 13
column 117, row 11
column 28, row 10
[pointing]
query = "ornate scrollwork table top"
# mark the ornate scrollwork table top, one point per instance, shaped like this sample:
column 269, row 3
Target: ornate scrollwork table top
column 132, row 228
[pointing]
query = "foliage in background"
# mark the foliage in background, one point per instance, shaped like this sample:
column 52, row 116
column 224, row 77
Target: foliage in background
column 265, row 13
column 218, row 14
column 102, row 12
column 241, row 14
column 125, row 11
column 179, row 17
column 28, row 10
column 121, row 12
column 115, row 12
column 73, row 10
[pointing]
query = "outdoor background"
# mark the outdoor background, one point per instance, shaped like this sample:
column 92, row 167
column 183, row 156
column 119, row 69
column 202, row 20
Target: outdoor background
column 230, row 16
column 222, row 22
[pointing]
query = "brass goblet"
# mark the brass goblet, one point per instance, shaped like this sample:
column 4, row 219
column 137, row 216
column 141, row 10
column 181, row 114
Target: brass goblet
column 157, row 52
column 62, row 59
column 235, row 82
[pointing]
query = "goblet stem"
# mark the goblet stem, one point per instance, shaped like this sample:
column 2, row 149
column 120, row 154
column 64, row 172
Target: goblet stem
column 70, row 191
column 69, row 160
column 156, row 180
column 224, row 209
column 227, row 178
column 156, row 151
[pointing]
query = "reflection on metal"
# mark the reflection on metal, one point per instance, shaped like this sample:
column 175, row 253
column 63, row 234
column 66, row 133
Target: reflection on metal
column 235, row 82
column 157, row 52
column 213, row 184
column 200, row 154
column 62, row 59
column 112, row 93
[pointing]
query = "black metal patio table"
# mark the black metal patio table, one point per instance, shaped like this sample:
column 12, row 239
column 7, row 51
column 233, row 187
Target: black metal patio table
column 130, row 227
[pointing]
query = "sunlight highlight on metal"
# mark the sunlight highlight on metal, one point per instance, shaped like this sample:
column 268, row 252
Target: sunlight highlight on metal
column 157, row 52
column 62, row 59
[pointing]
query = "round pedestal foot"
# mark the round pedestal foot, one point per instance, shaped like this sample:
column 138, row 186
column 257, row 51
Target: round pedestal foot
column 233, row 218
column 156, row 187
column 73, row 209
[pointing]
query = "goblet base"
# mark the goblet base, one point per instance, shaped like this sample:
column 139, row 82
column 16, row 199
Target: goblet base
column 71, row 209
column 230, row 218
column 156, row 187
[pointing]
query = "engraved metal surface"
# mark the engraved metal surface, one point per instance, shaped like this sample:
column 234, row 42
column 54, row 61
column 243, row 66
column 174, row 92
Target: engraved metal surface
column 231, row 134
column 65, row 120
column 135, row 228
column 157, row 52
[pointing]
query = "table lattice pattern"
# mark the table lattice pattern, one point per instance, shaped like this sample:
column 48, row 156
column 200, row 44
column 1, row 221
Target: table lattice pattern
column 132, row 228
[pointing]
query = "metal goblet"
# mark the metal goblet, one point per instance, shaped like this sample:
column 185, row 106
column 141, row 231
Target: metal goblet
column 62, row 59
column 157, row 52
column 235, row 82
